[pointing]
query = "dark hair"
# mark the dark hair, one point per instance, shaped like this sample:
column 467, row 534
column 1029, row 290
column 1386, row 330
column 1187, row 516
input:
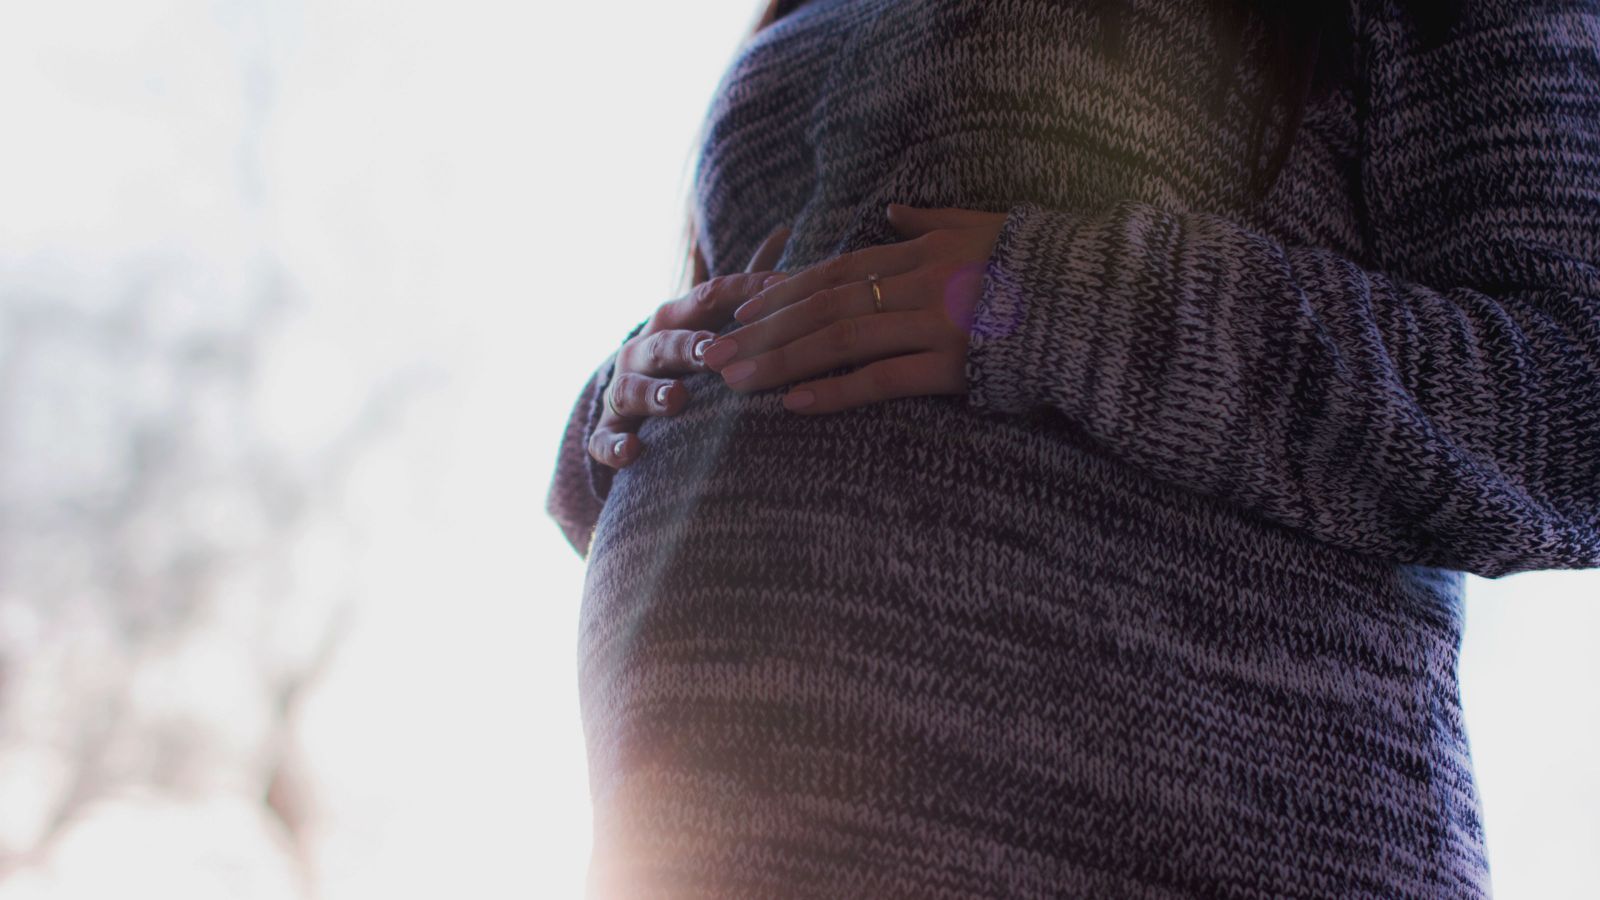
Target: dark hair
column 1309, row 51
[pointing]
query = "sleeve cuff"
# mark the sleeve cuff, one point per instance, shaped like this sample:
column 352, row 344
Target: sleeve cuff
column 1032, row 302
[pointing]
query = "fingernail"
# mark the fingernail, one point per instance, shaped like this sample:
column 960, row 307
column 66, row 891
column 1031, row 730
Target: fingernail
column 746, row 312
column 700, row 349
column 773, row 279
column 739, row 370
column 661, row 395
column 617, row 447
column 798, row 399
column 720, row 352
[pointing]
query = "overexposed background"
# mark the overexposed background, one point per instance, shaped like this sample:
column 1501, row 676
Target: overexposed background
column 295, row 299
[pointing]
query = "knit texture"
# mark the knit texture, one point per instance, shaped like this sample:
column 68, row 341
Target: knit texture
column 1169, row 604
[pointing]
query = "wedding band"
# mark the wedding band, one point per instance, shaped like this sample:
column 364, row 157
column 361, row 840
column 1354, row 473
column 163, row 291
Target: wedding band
column 611, row 400
column 877, row 292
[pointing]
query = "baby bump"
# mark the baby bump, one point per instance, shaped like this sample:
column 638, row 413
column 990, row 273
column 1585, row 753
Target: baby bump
column 779, row 611
column 746, row 533
column 913, row 625
column 755, row 555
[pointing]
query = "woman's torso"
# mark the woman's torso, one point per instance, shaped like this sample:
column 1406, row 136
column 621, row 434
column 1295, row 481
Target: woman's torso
column 912, row 650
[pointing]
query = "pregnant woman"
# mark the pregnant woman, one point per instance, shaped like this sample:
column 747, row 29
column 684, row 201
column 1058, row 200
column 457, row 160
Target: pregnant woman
column 1085, row 512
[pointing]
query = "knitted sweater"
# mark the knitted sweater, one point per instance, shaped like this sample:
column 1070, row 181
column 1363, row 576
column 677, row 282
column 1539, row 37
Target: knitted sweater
column 1170, row 603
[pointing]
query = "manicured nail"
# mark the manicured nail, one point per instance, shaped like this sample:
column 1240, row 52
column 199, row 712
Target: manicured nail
column 747, row 312
column 773, row 279
column 700, row 349
column 661, row 395
column 798, row 399
column 739, row 370
column 721, row 351
column 617, row 448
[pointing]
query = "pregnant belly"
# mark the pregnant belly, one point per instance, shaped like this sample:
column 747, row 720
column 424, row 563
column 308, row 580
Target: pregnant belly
column 848, row 644
column 745, row 530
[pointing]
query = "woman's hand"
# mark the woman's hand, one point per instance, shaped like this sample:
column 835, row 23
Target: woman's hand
column 672, row 343
column 824, row 317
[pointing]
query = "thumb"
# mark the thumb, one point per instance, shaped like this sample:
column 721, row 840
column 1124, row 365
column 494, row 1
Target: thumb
column 915, row 221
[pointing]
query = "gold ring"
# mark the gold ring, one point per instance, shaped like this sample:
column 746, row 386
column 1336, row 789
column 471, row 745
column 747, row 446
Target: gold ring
column 877, row 292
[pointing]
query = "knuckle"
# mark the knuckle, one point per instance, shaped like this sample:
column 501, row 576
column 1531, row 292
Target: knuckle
column 699, row 292
column 656, row 350
column 619, row 391
column 681, row 342
column 632, row 400
column 685, row 308
column 720, row 289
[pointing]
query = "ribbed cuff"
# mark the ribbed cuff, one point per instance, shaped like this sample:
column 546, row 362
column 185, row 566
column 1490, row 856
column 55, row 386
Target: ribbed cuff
column 1014, row 360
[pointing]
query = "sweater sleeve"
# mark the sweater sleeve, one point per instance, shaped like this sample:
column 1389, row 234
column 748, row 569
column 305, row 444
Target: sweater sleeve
column 580, row 484
column 1441, row 409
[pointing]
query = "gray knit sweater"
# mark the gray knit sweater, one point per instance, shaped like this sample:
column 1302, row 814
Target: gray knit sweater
column 1169, row 604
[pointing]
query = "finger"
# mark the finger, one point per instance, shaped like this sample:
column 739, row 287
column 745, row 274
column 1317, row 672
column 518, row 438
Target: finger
column 915, row 221
column 913, row 375
column 814, row 313
column 846, row 342
column 711, row 302
column 614, row 448
column 885, row 259
column 677, row 351
column 636, row 396
column 770, row 251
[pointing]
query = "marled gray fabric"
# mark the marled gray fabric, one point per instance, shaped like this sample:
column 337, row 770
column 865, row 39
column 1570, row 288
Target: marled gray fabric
column 1170, row 603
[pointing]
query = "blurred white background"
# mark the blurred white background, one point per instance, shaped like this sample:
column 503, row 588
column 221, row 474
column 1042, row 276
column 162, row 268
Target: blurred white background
column 295, row 299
